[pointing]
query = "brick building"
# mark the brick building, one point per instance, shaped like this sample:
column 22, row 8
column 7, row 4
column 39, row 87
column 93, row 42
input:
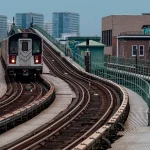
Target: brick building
column 114, row 25
column 130, row 45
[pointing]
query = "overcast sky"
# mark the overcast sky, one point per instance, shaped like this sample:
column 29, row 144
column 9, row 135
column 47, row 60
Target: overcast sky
column 91, row 11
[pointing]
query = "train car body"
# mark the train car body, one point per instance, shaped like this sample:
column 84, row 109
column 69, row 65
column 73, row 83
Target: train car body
column 22, row 54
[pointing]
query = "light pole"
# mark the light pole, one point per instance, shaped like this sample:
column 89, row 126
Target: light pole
column 124, row 47
column 136, row 59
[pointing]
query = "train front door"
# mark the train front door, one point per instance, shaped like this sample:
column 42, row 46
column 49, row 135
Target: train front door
column 25, row 52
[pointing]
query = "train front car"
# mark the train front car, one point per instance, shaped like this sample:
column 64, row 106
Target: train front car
column 25, row 55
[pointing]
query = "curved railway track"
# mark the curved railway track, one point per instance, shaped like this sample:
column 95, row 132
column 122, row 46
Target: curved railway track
column 24, row 93
column 20, row 95
column 14, row 90
column 94, row 104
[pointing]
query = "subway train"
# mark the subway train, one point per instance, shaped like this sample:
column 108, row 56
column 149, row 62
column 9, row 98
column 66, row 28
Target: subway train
column 22, row 54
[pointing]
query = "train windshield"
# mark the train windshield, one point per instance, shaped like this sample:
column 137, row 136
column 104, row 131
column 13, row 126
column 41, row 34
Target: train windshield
column 36, row 46
column 36, row 43
column 13, row 47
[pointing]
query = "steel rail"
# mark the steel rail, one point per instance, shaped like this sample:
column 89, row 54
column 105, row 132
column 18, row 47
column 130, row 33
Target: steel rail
column 15, row 147
column 7, row 102
column 98, row 122
column 63, row 118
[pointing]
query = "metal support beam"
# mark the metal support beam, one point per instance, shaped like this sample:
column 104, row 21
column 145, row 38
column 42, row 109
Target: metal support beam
column 106, row 143
column 120, row 126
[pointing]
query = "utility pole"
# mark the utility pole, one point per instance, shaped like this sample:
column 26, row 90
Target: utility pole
column 87, row 57
column 13, row 21
column 31, row 24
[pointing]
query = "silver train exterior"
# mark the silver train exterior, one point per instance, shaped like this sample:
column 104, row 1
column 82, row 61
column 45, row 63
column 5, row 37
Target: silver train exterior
column 22, row 54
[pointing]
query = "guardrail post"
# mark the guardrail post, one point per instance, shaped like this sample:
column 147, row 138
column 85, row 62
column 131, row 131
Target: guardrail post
column 112, row 134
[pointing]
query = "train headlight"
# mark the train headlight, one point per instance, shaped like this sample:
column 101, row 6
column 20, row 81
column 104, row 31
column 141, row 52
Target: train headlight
column 12, row 59
column 37, row 59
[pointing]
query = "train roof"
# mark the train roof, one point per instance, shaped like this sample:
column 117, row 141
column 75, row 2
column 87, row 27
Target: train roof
column 24, row 35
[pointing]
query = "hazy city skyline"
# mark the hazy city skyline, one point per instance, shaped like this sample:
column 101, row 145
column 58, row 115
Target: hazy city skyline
column 91, row 12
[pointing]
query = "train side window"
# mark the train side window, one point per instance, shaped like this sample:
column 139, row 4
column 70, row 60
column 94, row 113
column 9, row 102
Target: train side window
column 24, row 46
column 36, row 46
column 13, row 47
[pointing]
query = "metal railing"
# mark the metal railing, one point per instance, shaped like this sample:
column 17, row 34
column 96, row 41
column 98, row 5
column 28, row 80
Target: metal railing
column 130, row 61
column 50, row 38
column 128, row 79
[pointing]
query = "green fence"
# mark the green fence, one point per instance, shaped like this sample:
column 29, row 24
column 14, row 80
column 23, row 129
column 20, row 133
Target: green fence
column 126, row 76
column 77, row 58
column 145, row 61
column 127, row 79
column 134, row 64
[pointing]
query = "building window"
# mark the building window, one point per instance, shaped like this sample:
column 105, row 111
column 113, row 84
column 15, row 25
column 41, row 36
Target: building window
column 141, row 50
column 107, row 37
column 134, row 49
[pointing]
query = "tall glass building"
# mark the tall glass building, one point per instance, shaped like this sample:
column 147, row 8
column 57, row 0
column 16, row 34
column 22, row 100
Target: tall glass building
column 48, row 27
column 65, row 22
column 3, row 27
column 23, row 20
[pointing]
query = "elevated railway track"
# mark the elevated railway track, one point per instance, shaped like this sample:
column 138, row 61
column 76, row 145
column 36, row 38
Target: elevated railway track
column 91, row 121
column 96, row 102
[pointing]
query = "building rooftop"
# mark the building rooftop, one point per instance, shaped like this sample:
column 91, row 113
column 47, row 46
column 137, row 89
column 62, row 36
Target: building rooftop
column 91, row 43
column 84, row 37
column 65, row 13
column 30, row 13
column 140, row 33
column 145, row 26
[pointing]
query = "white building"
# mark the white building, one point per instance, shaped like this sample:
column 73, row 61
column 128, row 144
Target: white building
column 48, row 27
column 9, row 24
